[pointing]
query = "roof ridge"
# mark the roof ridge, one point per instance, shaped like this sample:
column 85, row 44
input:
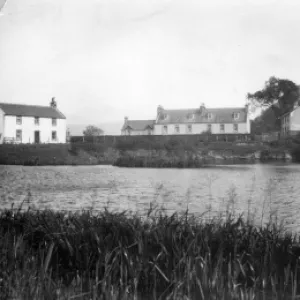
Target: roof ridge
column 9, row 103
column 178, row 109
column 141, row 120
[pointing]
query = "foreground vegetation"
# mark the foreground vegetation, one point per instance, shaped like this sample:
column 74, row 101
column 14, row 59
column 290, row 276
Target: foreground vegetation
column 59, row 255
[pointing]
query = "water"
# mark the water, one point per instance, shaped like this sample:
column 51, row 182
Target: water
column 260, row 190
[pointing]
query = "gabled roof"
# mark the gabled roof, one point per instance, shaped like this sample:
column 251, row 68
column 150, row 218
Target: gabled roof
column 138, row 125
column 31, row 111
column 218, row 115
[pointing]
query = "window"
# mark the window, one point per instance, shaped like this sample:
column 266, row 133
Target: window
column 163, row 116
column 54, row 122
column 209, row 127
column 236, row 115
column 19, row 135
column 149, row 131
column 190, row 116
column 177, row 130
column 37, row 121
column 189, row 128
column 165, row 129
column 54, row 136
column 222, row 127
column 235, row 127
column 19, row 120
column 209, row 116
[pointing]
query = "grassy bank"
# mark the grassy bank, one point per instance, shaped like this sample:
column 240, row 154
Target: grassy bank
column 112, row 152
column 48, row 154
column 57, row 255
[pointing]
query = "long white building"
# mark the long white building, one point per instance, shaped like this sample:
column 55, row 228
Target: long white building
column 192, row 121
column 21, row 123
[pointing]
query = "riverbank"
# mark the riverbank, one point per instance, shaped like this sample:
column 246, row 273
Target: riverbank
column 198, row 158
column 54, row 155
column 170, row 154
column 60, row 255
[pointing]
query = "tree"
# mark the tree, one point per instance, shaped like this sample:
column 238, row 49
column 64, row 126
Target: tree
column 92, row 131
column 266, row 122
column 279, row 94
column 276, row 98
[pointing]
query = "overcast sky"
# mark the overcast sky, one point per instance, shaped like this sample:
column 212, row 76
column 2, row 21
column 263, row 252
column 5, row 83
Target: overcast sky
column 104, row 59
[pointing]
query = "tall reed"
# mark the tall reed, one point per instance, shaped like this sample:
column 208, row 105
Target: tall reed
column 63, row 255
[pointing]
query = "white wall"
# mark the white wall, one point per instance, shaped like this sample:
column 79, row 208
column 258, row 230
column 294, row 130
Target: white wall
column 294, row 124
column 198, row 128
column 28, row 127
column 1, row 125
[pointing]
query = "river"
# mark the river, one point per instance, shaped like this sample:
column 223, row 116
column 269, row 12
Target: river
column 257, row 191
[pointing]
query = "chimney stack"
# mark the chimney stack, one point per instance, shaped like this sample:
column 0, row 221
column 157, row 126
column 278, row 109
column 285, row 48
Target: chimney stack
column 247, row 108
column 126, row 120
column 53, row 103
column 202, row 109
column 160, row 109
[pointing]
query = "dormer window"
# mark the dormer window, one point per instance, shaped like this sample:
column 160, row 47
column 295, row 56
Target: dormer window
column 236, row 115
column 164, row 116
column 209, row 116
column 190, row 116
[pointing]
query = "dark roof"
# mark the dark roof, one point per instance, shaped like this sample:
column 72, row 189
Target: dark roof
column 218, row 115
column 31, row 111
column 138, row 124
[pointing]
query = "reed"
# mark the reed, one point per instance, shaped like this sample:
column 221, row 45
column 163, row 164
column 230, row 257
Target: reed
column 109, row 255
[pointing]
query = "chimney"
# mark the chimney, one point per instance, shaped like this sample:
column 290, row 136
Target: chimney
column 53, row 103
column 160, row 109
column 202, row 109
column 125, row 120
column 247, row 108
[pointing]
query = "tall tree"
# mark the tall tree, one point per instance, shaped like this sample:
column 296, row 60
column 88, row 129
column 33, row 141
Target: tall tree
column 276, row 98
column 281, row 94
column 92, row 130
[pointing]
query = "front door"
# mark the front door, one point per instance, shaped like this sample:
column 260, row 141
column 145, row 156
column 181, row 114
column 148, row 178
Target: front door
column 37, row 137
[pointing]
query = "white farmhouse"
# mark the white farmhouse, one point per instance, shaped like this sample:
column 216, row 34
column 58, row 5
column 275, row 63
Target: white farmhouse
column 21, row 123
column 192, row 121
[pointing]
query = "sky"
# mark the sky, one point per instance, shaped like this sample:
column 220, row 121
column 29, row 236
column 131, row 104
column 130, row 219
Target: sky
column 106, row 59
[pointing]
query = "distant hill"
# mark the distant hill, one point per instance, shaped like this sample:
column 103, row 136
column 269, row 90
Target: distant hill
column 113, row 128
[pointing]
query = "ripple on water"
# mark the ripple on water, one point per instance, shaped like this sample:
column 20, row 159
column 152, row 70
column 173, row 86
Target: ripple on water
column 75, row 188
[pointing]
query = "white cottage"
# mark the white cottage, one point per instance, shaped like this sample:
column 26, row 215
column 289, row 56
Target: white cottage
column 233, row 120
column 192, row 121
column 21, row 123
column 137, row 127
